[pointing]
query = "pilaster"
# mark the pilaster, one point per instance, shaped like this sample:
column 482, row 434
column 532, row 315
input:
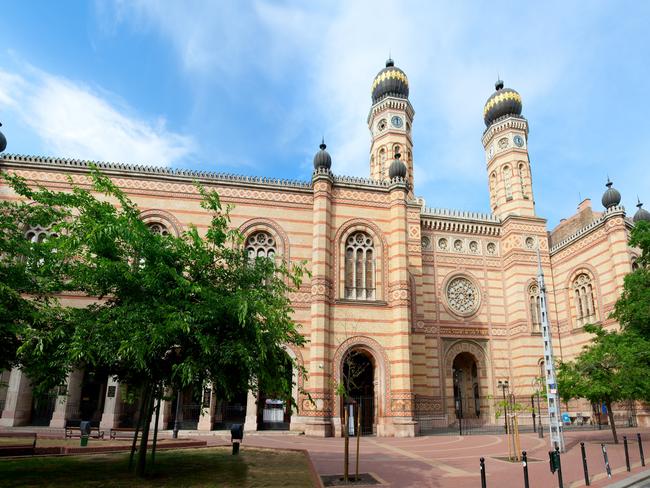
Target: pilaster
column 18, row 402
column 67, row 404
column 111, row 414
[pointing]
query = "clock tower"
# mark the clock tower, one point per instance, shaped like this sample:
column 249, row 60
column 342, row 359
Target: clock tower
column 506, row 152
column 390, row 121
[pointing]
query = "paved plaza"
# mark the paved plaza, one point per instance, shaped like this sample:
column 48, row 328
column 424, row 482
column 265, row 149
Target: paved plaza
column 453, row 461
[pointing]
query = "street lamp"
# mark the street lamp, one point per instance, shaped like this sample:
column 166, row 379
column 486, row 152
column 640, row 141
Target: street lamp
column 503, row 386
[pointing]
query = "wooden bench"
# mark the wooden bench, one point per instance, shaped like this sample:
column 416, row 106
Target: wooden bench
column 72, row 429
column 26, row 444
column 122, row 432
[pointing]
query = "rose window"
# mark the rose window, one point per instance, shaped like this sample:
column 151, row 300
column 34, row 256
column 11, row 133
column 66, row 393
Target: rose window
column 462, row 296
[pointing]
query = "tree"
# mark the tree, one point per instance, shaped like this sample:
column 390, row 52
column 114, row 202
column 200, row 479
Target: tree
column 632, row 309
column 612, row 368
column 169, row 311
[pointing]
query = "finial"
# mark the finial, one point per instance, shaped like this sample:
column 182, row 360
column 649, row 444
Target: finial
column 499, row 84
column 609, row 182
column 322, row 144
column 390, row 62
column 638, row 202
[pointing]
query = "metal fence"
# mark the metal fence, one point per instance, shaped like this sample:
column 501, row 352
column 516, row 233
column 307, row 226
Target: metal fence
column 440, row 415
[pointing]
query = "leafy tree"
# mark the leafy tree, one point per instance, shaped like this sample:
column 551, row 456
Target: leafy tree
column 632, row 309
column 169, row 311
column 612, row 368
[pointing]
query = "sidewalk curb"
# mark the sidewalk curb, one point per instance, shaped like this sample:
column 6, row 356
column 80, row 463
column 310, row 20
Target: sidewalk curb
column 632, row 480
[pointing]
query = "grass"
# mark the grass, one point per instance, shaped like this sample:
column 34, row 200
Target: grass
column 214, row 467
column 45, row 442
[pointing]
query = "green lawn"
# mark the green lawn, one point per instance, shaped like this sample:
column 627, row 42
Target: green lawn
column 214, row 467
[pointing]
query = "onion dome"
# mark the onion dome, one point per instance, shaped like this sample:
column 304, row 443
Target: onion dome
column 322, row 159
column 3, row 141
column 641, row 214
column 397, row 168
column 611, row 197
column 390, row 81
column 503, row 102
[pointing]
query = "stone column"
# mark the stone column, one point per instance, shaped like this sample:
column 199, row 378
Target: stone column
column 111, row 414
column 67, row 404
column 18, row 403
column 207, row 409
column 250, row 423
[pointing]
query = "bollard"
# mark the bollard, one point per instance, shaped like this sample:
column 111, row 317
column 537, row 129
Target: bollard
column 627, row 454
column 638, row 438
column 584, row 463
column 559, row 468
column 524, row 462
column 607, row 468
column 483, row 482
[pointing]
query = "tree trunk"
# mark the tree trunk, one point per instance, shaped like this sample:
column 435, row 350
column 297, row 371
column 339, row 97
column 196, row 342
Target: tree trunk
column 610, row 416
column 142, row 452
column 346, row 450
column 155, row 431
column 137, row 426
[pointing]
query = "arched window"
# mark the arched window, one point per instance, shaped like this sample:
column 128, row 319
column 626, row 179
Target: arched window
column 359, row 267
column 585, row 303
column 535, row 306
column 260, row 244
column 635, row 265
column 507, row 181
column 382, row 163
column 39, row 234
column 522, row 180
column 396, row 150
column 158, row 228
column 493, row 190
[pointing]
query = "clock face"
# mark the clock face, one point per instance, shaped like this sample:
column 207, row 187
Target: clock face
column 519, row 141
column 396, row 121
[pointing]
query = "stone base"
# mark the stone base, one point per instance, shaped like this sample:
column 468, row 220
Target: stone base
column 397, row 427
column 14, row 420
column 250, row 424
column 109, row 421
column 57, row 423
column 319, row 428
column 298, row 423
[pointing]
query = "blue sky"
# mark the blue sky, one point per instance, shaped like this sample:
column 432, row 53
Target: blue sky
column 250, row 87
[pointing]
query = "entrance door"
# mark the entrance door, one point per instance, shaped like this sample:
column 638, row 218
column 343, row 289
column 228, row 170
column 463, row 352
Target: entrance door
column 359, row 380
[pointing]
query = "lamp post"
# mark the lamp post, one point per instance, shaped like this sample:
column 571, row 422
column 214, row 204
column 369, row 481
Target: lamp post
column 178, row 407
column 504, row 386
column 172, row 355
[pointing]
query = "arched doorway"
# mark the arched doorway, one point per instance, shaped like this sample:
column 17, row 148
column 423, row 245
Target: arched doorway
column 467, row 399
column 359, row 382
column 273, row 408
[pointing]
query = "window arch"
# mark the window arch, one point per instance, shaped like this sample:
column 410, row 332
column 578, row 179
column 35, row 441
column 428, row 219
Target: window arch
column 158, row 228
column 635, row 265
column 493, row 190
column 396, row 150
column 522, row 180
column 382, row 163
column 359, row 267
column 261, row 244
column 38, row 234
column 507, row 181
column 535, row 307
column 584, row 299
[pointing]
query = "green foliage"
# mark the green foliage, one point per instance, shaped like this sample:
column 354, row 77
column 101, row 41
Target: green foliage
column 632, row 309
column 166, row 311
column 613, row 367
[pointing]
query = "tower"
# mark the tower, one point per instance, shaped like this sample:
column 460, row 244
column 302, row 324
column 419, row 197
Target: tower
column 390, row 121
column 506, row 151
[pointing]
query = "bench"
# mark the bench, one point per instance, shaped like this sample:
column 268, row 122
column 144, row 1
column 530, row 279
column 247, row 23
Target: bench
column 26, row 445
column 72, row 429
column 122, row 432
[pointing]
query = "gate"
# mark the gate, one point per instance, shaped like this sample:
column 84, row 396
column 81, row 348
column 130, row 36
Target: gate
column 367, row 404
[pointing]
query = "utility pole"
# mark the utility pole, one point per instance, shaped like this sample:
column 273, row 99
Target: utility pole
column 552, row 395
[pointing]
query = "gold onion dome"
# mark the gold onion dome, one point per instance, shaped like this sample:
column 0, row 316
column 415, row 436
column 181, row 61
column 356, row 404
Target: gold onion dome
column 390, row 81
column 503, row 102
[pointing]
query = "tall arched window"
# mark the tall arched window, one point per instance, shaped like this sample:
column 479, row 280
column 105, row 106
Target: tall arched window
column 382, row 163
column 535, row 306
column 359, row 267
column 158, row 228
column 493, row 190
column 522, row 180
column 635, row 265
column 585, row 303
column 260, row 244
column 396, row 150
column 507, row 181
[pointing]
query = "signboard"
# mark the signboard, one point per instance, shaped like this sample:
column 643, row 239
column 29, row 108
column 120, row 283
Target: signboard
column 111, row 391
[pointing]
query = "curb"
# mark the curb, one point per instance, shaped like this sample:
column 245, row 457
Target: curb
column 632, row 480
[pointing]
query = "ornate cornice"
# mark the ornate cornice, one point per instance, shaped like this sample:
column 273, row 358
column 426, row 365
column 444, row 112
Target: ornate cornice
column 504, row 123
column 591, row 227
column 441, row 219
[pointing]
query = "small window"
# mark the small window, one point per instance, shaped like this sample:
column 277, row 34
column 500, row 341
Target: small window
column 158, row 228
column 260, row 244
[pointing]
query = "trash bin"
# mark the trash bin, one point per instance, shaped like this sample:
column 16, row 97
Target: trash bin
column 236, row 436
column 84, row 428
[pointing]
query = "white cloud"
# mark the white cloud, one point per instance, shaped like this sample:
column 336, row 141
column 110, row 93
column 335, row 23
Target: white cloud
column 72, row 120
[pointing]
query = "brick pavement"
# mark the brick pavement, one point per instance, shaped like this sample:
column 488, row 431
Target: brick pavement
column 453, row 461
